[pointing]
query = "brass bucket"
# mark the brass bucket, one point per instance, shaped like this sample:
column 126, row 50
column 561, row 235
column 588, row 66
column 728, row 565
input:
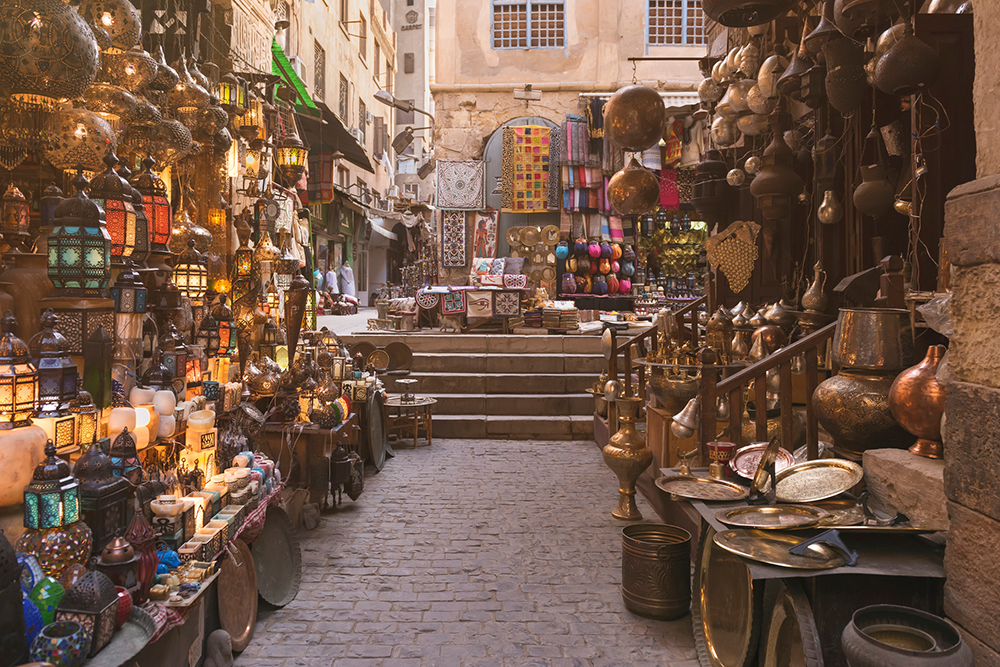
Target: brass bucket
column 656, row 570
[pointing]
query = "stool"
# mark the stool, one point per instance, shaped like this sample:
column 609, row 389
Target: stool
column 402, row 422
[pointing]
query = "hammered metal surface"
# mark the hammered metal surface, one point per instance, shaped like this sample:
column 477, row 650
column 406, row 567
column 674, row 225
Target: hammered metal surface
column 701, row 488
column 772, row 548
column 817, row 480
column 841, row 513
column 772, row 517
column 238, row 595
column 746, row 459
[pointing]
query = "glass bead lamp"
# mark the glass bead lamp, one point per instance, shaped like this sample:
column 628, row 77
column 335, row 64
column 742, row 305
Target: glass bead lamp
column 114, row 194
column 16, row 219
column 292, row 157
column 154, row 198
column 103, row 496
column 93, row 603
column 18, row 377
column 57, row 381
column 86, row 415
column 52, row 498
column 79, row 262
column 190, row 274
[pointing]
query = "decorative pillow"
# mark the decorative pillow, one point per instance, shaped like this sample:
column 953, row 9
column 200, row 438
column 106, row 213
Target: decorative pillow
column 481, row 265
column 496, row 268
column 513, row 265
column 492, row 281
column 518, row 281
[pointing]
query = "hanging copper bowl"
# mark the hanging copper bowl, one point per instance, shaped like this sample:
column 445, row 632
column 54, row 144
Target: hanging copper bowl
column 744, row 13
column 634, row 190
column 635, row 117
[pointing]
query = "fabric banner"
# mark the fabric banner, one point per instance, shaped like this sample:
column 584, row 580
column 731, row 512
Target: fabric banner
column 453, row 303
column 479, row 304
column 484, row 240
column 525, row 169
column 461, row 184
column 454, row 246
column 668, row 189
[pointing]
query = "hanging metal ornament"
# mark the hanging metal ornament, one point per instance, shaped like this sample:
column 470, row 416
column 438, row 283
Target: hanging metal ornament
column 118, row 18
column 634, row 190
column 635, row 117
column 171, row 142
column 734, row 252
column 112, row 103
column 166, row 76
column 81, row 137
column 131, row 70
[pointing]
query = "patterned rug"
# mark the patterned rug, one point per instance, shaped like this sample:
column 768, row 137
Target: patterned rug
column 454, row 243
column 453, row 303
column 484, row 240
column 507, row 304
column 461, row 185
column 525, row 169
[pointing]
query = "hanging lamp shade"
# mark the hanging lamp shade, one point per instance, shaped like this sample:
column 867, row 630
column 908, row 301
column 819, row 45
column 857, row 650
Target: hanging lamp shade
column 166, row 76
column 143, row 226
column 908, row 65
column 132, row 70
column 292, row 157
column 778, row 183
column 251, row 124
column 296, row 297
column 79, row 245
column 86, row 414
column 118, row 18
column 112, row 103
column 79, row 138
column 57, row 373
column 790, row 82
column 634, row 190
column 16, row 217
column 49, row 53
column 114, row 194
column 154, row 197
column 171, row 141
column 745, row 13
column 190, row 274
column 18, row 377
column 187, row 94
column 285, row 266
column 635, row 117
column 232, row 94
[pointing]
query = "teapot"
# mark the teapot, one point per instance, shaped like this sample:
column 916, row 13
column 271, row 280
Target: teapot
column 814, row 300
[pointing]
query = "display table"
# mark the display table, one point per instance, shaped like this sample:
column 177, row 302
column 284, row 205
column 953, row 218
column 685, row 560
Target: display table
column 401, row 421
column 312, row 446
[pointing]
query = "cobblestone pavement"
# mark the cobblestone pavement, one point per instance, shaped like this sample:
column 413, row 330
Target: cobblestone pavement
column 471, row 553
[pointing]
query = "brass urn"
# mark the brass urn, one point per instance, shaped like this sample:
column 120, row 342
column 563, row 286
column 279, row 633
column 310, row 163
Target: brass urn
column 916, row 400
column 627, row 455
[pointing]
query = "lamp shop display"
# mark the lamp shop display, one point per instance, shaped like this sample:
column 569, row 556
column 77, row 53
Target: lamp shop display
column 138, row 355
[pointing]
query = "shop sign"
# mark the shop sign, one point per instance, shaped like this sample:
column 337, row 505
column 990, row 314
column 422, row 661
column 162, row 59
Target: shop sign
column 250, row 43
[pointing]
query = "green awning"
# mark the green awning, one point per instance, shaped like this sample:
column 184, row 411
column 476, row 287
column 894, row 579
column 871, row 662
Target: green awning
column 281, row 67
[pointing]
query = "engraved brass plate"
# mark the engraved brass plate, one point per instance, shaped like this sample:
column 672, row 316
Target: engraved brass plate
column 772, row 548
column 840, row 513
column 817, row 480
column 746, row 459
column 772, row 517
column 701, row 488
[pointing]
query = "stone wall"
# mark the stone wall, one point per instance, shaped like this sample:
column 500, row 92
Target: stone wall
column 987, row 87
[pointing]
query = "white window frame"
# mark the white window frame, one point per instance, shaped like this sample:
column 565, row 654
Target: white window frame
column 529, row 11
column 691, row 17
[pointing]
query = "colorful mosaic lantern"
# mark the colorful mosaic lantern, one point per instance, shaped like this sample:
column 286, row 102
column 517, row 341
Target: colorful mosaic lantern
column 190, row 274
column 63, row 644
column 57, row 373
column 46, row 595
column 79, row 261
column 154, row 198
column 103, row 496
column 18, row 377
column 292, row 157
column 114, row 194
column 57, row 549
column 93, row 603
column 52, row 499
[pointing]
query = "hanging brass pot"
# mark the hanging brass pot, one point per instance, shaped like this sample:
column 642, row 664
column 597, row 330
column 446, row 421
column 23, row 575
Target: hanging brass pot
column 845, row 74
column 744, row 13
column 874, row 196
column 907, row 66
column 830, row 210
column 778, row 182
column 769, row 73
column 635, row 117
column 634, row 190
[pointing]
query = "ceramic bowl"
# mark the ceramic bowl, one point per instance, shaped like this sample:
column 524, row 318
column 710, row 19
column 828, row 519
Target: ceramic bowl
column 163, row 509
column 202, row 420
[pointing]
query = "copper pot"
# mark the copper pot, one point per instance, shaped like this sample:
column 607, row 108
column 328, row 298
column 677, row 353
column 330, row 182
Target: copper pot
column 873, row 339
column 853, row 407
column 917, row 402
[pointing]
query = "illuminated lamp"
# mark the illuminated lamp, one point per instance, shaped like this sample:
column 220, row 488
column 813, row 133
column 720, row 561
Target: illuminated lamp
column 114, row 194
column 208, row 335
column 223, row 316
column 18, row 377
column 79, row 262
column 143, row 225
column 190, row 275
column 154, row 198
column 285, row 266
column 16, row 218
column 51, row 499
column 86, row 415
column 251, row 124
column 292, row 157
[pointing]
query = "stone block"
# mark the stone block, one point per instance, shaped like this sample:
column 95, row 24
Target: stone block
column 974, row 355
column 973, row 585
column 427, row 362
column 970, row 222
column 984, row 655
column 907, row 483
column 459, row 426
column 972, row 447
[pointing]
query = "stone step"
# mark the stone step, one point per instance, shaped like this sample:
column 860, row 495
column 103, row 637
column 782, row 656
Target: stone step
column 512, row 404
column 441, row 362
column 483, row 343
column 513, row 427
column 515, row 383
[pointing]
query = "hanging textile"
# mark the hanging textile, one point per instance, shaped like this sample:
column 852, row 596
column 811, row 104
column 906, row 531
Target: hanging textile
column 577, row 149
column 525, row 169
column 612, row 158
column 685, row 179
column 652, row 158
column 321, row 177
column 675, row 142
column 484, row 239
column 461, row 185
column 615, row 224
column 668, row 189
column 595, row 118
column 555, row 158
column 605, row 228
column 454, row 252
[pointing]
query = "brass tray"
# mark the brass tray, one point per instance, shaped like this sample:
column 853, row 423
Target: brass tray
column 530, row 236
column 840, row 513
column 772, row 548
column 550, row 235
column 548, row 273
column 817, row 480
column 513, row 236
column 701, row 488
column 238, row 594
column 772, row 517
column 746, row 459
column 379, row 360
column 277, row 558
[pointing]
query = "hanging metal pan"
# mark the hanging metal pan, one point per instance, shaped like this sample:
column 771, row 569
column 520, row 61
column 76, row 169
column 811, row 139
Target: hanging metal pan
column 277, row 558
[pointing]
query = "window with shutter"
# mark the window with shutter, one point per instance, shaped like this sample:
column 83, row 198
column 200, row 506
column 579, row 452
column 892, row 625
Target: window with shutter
column 379, row 124
column 407, row 63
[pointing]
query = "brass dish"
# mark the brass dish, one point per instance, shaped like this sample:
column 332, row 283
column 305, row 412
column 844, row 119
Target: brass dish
column 746, row 459
column 550, row 235
column 548, row 273
column 772, row 548
column 238, row 594
column 513, row 236
column 701, row 488
column 772, row 517
column 840, row 513
column 530, row 236
column 379, row 360
column 536, row 276
column 817, row 480
column 277, row 559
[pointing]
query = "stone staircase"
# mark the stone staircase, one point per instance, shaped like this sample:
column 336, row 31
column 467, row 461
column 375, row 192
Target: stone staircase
column 503, row 387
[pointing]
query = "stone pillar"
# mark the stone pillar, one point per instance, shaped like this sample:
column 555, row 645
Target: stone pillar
column 972, row 417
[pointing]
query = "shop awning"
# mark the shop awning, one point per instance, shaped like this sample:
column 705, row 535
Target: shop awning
column 381, row 236
column 680, row 100
column 281, row 67
column 327, row 133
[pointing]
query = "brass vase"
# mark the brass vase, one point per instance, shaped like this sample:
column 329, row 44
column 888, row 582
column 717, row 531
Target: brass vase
column 917, row 402
column 627, row 455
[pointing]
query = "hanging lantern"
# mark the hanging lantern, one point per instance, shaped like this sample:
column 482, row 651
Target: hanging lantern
column 93, row 603
column 118, row 18
column 296, row 297
column 82, row 138
column 79, row 262
column 292, row 157
column 253, row 161
column 309, row 318
column 132, row 70
column 285, row 266
column 52, row 498
column 270, row 339
column 112, row 103
column 190, row 275
column 86, row 415
column 166, row 76
column 634, row 190
column 208, row 335
column 251, row 124
column 171, row 141
column 243, row 257
column 124, row 459
column 232, row 94
column 114, row 194
column 778, row 183
column 57, row 378
column 223, row 316
column 137, row 139
column 143, row 225
column 265, row 253
column 51, row 197
column 148, row 337
column 129, row 295
column 744, row 13
column 271, row 300
column 154, row 198
column 635, row 117
column 175, row 354
column 49, row 55
column 18, row 377
column 16, row 217
column 103, row 496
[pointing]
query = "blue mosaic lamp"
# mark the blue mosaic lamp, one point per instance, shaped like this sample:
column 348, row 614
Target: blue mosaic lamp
column 52, row 499
column 79, row 261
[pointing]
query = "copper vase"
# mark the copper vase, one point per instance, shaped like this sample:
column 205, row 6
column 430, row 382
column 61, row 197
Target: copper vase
column 627, row 456
column 917, row 402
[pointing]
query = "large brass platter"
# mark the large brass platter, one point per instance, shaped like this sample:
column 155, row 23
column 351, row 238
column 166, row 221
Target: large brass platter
column 746, row 459
column 817, row 480
column 277, row 559
column 513, row 236
column 772, row 548
column 701, row 488
column 840, row 513
column 772, row 517
column 550, row 235
column 238, row 594
column 530, row 236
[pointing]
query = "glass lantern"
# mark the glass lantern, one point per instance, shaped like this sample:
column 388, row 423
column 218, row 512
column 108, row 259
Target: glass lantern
column 79, row 262
column 86, row 415
column 124, row 458
column 52, row 498
column 16, row 218
column 143, row 225
column 103, row 496
column 285, row 266
column 243, row 257
column 114, row 195
column 251, row 124
column 292, row 157
column 208, row 335
column 232, row 94
column 18, row 377
column 265, row 253
column 154, row 198
column 148, row 336
column 57, row 381
column 52, row 196
column 223, row 316
column 309, row 319
column 93, row 603
column 272, row 301
column 190, row 275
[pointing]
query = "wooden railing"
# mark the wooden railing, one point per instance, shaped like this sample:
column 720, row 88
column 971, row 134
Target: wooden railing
column 711, row 387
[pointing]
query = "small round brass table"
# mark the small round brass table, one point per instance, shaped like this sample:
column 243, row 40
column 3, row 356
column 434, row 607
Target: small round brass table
column 401, row 421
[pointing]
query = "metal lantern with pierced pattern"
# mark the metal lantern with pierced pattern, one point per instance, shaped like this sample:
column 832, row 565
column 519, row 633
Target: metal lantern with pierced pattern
column 114, row 194
column 190, row 275
column 223, row 315
column 208, row 335
column 57, row 381
column 154, row 198
column 86, row 415
column 292, row 157
column 232, row 94
column 79, row 261
column 103, row 496
column 18, row 377
column 51, row 499
column 143, row 225
column 93, row 603
column 16, row 218
column 125, row 461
